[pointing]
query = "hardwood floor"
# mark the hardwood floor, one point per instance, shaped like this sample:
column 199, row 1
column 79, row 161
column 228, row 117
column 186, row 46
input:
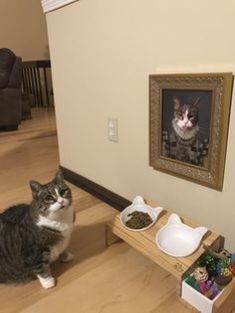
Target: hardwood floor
column 117, row 279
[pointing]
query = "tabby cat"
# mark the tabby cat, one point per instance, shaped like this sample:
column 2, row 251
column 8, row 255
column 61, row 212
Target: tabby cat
column 183, row 142
column 33, row 236
column 185, row 121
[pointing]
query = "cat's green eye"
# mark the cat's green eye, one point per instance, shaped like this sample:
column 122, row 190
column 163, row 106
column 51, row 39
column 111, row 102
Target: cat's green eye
column 63, row 192
column 49, row 199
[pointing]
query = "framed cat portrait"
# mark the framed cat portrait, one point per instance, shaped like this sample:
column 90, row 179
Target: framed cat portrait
column 189, row 120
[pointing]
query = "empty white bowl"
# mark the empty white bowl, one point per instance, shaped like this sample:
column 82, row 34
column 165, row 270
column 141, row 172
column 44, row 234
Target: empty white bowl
column 138, row 204
column 177, row 239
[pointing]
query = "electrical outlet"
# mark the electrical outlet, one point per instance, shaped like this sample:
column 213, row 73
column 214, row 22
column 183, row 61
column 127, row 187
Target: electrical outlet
column 113, row 129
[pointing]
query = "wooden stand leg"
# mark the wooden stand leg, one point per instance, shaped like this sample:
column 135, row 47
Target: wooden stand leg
column 110, row 238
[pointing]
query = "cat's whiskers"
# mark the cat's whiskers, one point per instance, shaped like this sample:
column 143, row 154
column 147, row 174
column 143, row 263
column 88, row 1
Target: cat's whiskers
column 185, row 135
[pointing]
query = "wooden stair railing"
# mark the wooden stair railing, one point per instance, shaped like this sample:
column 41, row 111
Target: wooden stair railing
column 37, row 82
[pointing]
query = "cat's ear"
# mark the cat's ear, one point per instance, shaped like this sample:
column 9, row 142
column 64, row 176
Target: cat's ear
column 59, row 176
column 177, row 102
column 35, row 187
column 196, row 103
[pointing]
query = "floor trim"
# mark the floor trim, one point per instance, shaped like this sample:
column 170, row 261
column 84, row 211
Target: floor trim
column 95, row 189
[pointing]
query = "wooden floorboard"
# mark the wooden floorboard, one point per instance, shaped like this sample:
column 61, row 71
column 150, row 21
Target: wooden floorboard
column 117, row 279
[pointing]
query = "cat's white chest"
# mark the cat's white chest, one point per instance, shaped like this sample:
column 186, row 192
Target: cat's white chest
column 62, row 222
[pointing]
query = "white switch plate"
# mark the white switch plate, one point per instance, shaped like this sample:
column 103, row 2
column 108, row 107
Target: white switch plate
column 113, row 129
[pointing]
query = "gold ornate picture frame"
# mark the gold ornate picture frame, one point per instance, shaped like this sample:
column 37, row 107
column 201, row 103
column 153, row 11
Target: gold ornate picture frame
column 189, row 120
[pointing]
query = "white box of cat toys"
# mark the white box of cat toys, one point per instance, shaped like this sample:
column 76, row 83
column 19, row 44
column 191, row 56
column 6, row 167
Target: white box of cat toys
column 210, row 286
column 198, row 300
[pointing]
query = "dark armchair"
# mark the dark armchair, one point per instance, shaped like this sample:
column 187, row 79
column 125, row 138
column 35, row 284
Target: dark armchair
column 10, row 90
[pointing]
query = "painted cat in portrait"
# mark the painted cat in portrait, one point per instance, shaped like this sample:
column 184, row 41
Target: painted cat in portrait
column 183, row 143
column 35, row 235
column 185, row 121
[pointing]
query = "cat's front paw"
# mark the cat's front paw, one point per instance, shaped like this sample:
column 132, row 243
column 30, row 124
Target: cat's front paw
column 47, row 282
column 66, row 257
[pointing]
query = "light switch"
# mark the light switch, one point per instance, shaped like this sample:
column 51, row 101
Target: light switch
column 113, row 129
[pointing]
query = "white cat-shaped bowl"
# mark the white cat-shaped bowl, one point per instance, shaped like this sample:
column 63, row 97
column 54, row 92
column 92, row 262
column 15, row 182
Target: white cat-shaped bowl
column 178, row 239
column 138, row 204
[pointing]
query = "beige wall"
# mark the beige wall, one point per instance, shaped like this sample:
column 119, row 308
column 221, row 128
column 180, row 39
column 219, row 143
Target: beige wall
column 102, row 53
column 23, row 28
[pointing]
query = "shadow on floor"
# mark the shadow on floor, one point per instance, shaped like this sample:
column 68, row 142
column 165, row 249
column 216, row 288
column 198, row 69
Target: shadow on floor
column 86, row 242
